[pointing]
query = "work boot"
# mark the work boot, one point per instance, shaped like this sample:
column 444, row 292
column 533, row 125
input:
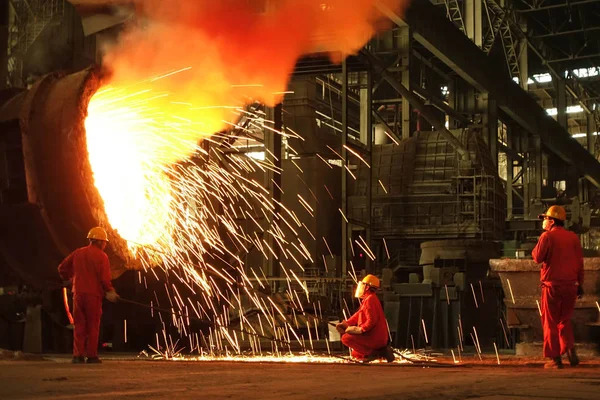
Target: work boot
column 371, row 357
column 94, row 360
column 388, row 354
column 572, row 356
column 78, row 360
column 555, row 363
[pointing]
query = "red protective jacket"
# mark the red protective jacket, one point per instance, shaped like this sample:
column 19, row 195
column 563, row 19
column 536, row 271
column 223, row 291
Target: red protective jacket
column 561, row 256
column 371, row 319
column 90, row 270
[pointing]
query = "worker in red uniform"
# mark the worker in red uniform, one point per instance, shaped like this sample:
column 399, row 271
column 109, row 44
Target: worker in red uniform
column 89, row 270
column 366, row 332
column 559, row 252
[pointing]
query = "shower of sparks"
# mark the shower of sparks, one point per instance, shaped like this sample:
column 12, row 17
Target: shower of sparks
column 511, row 292
column 195, row 211
column 174, row 354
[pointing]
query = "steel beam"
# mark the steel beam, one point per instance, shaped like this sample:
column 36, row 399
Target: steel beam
column 369, row 128
column 451, row 46
column 273, row 183
column 418, row 104
column 406, row 51
column 591, row 130
column 561, row 103
column 553, row 6
column 509, row 174
column 344, row 151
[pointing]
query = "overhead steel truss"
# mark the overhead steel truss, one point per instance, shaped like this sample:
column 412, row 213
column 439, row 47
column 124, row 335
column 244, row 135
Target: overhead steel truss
column 448, row 44
column 29, row 18
column 504, row 23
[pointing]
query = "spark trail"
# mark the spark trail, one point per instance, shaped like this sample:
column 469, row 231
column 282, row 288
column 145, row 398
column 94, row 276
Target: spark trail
column 162, row 136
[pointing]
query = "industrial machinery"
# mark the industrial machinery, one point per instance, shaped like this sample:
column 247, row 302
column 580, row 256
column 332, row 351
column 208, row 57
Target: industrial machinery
column 423, row 191
column 521, row 283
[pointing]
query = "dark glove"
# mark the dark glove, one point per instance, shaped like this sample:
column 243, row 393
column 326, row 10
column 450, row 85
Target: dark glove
column 579, row 291
column 341, row 328
column 67, row 284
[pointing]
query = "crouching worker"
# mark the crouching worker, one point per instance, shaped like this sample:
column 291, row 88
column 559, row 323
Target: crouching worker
column 366, row 332
column 89, row 270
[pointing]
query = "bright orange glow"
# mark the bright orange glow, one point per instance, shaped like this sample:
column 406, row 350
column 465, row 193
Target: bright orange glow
column 184, row 77
column 133, row 137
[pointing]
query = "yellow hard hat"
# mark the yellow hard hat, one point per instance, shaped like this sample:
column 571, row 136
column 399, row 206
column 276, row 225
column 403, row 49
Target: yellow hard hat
column 98, row 233
column 371, row 280
column 556, row 212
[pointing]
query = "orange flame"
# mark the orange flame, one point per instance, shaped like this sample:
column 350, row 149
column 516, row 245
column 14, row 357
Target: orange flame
column 183, row 71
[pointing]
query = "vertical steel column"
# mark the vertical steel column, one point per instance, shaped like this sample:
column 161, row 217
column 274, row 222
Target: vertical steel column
column 526, row 180
column 538, row 167
column 487, row 106
column 591, row 129
column 273, row 182
column 405, row 47
column 4, row 44
column 369, row 127
column 523, row 59
column 561, row 103
column 473, row 21
column 509, row 173
column 344, row 153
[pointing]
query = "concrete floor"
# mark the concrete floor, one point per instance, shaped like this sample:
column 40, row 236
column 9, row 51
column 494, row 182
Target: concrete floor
column 513, row 379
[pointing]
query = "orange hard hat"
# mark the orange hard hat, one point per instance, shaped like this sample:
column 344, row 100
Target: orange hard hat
column 556, row 212
column 98, row 233
column 371, row 280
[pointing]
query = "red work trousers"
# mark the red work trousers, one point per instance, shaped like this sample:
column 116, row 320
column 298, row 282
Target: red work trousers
column 87, row 310
column 361, row 345
column 558, row 303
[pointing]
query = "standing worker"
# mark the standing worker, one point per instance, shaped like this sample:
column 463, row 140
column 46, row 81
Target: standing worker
column 89, row 270
column 366, row 332
column 559, row 252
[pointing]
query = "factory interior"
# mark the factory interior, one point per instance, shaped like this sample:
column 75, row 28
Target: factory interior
column 253, row 162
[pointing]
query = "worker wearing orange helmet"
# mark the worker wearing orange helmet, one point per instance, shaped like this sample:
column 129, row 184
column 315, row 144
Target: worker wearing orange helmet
column 559, row 252
column 89, row 270
column 366, row 332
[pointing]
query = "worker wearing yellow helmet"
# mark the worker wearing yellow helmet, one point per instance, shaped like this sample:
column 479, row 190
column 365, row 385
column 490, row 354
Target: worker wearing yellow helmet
column 559, row 252
column 89, row 270
column 366, row 332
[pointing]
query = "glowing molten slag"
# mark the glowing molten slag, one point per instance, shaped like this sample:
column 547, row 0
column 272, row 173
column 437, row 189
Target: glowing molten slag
column 133, row 139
